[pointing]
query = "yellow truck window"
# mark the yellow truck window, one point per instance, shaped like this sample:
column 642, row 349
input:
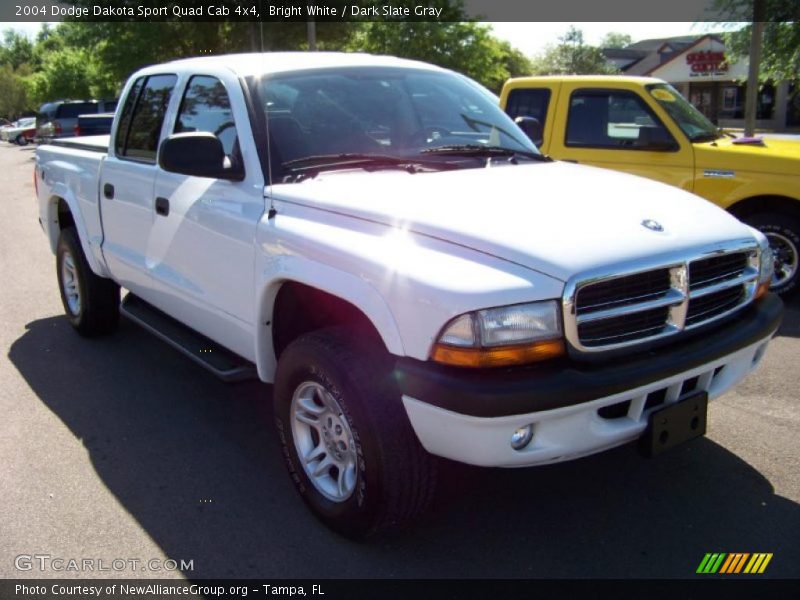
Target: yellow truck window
column 614, row 119
column 529, row 103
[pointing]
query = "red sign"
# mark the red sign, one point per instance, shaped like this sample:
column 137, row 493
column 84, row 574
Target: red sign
column 707, row 61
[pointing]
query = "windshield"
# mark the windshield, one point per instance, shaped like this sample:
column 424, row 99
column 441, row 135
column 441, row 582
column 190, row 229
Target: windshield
column 388, row 113
column 691, row 121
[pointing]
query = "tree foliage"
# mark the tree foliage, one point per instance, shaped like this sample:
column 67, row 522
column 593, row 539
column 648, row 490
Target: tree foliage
column 572, row 56
column 462, row 46
column 615, row 39
column 780, row 50
column 13, row 92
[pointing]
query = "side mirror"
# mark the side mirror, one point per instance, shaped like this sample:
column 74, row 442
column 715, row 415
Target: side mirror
column 197, row 153
column 531, row 127
column 656, row 140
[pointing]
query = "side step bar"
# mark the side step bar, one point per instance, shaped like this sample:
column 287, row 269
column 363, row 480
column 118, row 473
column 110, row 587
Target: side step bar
column 222, row 362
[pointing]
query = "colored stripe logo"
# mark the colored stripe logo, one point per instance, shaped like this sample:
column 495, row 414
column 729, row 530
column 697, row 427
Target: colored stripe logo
column 734, row 563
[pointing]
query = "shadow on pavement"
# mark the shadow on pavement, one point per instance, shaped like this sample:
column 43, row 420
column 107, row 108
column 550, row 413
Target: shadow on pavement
column 791, row 319
column 163, row 435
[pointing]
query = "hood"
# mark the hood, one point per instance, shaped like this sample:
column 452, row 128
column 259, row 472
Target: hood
column 774, row 155
column 556, row 218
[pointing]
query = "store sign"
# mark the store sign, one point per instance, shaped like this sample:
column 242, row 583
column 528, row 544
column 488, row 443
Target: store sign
column 707, row 62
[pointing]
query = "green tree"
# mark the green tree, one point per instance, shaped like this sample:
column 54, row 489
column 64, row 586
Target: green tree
column 16, row 49
column 614, row 39
column 780, row 54
column 65, row 73
column 466, row 47
column 13, row 92
column 572, row 56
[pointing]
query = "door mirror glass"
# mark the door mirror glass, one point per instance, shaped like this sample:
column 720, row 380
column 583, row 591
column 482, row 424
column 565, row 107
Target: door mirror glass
column 531, row 127
column 199, row 154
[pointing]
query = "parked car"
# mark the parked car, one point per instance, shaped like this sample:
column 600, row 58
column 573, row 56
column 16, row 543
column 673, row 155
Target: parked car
column 376, row 238
column 644, row 126
column 20, row 132
column 99, row 124
column 58, row 119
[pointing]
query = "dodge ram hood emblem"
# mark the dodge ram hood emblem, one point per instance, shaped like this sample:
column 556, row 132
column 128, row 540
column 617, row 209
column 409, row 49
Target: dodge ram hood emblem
column 652, row 225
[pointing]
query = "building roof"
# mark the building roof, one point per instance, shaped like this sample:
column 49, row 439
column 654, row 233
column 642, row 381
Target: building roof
column 645, row 56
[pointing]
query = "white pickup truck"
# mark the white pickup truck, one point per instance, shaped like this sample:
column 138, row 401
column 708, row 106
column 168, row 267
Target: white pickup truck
column 377, row 239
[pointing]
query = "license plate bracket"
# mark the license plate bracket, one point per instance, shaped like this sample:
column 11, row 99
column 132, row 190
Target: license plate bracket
column 675, row 424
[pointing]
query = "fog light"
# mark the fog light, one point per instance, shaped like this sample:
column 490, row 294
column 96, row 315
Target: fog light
column 522, row 437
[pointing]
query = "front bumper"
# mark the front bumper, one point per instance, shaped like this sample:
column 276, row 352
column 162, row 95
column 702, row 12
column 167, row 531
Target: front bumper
column 575, row 409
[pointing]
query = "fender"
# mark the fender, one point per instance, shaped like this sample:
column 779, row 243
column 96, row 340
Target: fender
column 275, row 271
column 755, row 188
column 92, row 251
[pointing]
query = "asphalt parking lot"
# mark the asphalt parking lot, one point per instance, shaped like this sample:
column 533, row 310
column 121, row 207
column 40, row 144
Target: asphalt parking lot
column 120, row 448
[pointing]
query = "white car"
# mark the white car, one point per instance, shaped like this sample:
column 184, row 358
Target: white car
column 379, row 241
column 20, row 132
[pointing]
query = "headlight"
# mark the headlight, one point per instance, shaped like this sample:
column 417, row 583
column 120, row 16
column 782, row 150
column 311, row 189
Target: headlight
column 508, row 335
column 766, row 268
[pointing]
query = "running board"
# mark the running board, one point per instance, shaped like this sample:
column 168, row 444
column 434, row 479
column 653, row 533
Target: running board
column 220, row 361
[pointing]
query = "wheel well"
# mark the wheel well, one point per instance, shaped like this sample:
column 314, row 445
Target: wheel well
column 762, row 204
column 301, row 309
column 64, row 215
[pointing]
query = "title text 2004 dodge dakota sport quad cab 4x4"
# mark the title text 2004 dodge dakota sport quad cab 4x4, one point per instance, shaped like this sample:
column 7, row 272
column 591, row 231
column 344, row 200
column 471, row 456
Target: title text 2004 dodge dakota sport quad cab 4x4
column 379, row 240
column 643, row 126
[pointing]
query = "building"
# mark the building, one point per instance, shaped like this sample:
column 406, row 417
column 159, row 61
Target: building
column 697, row 67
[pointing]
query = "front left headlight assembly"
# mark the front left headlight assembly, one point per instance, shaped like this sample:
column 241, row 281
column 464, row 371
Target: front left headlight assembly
column 503, row 336
column 766, row 268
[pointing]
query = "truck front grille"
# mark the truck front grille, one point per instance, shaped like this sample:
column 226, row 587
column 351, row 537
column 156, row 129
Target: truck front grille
column 604, row 312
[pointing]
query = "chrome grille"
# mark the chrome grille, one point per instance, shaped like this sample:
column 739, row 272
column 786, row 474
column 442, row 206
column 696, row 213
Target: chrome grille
column 604, row 311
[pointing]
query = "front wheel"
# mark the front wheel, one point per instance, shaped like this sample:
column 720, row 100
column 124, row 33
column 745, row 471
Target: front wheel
column 21, row 140
column 783, row 233
column 91, row 302
column 346, row 439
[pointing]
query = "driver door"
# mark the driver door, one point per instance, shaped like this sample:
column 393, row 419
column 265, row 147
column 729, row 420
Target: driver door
column 616, row 129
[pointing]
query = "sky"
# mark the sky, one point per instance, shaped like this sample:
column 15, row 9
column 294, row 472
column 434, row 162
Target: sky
column 531, row 38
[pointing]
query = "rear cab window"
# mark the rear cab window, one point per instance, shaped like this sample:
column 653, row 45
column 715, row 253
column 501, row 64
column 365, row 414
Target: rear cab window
column 71, row 110
column 139, row 128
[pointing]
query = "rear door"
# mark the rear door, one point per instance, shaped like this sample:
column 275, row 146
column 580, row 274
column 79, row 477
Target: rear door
column 617, row 128
column 202, row 251
column 127, row 179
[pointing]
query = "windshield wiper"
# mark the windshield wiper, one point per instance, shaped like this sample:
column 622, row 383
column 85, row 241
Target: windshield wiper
column 705, row 137
column 308, row 165
column 481, row 150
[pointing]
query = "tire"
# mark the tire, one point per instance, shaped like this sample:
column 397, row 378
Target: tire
column 392, row 479
column 90, row 302
column 21, row 140
column 783, row 232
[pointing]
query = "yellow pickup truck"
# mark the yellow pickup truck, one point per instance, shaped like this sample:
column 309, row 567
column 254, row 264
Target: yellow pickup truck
column 644, row 126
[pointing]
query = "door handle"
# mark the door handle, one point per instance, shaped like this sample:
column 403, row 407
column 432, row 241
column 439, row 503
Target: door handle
column 569, row 160
column 108, row 191
column 162, row 206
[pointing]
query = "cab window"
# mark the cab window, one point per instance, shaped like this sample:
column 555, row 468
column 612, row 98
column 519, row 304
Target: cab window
column 140, row 127
column 614, row 119
column 205, row 106
column 529, row 103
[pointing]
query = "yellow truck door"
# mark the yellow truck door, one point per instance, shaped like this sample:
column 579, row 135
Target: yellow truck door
column 613, row 125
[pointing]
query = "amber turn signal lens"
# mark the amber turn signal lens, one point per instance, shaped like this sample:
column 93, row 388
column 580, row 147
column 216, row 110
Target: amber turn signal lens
column 763, row 288
column 502, row 356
